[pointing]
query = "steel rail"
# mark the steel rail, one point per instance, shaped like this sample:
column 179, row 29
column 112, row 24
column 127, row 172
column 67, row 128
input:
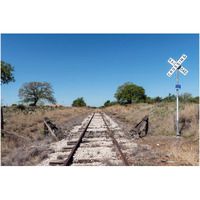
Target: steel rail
column 115, row 142
column 69, row 160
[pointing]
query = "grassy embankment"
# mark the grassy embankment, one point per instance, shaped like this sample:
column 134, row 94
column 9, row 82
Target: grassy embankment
column 29, row 123
column 162, row 133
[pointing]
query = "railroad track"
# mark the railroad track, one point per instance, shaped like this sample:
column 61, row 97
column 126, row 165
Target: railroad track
column 93, row 144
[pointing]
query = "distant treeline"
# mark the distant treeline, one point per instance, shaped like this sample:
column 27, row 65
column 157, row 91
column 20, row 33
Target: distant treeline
column 183, row 98
column 129, row 93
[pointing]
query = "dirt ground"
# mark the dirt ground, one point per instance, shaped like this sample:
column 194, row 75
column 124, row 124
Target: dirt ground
column 176, row 151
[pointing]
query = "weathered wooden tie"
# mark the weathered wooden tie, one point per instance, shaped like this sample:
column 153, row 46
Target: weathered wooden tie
column 12, row 134
column 141, row 126
column 49, row 127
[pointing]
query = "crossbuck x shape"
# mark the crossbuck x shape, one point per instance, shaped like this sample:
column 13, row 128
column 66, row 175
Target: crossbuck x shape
column 177, row 65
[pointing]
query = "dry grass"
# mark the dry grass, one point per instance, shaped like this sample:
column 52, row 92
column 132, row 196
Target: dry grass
column 188, row 154
column 161, row 117
column 161, row 128
column 31, row 125
column 190, row 117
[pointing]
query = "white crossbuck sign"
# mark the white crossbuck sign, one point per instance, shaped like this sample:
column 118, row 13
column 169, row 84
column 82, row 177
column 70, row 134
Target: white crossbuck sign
column 177, row 65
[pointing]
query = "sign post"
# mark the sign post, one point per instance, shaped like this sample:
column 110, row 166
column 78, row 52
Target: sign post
column 178, row 134
column 177, row 67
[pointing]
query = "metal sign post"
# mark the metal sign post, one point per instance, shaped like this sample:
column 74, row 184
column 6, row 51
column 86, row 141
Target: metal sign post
column 178, row 134
column 177, row 67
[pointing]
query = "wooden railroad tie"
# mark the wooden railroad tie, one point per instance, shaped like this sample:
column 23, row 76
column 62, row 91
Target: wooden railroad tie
column 81, row 161
column 49, row 127
column 13, row 135
column 140, row 127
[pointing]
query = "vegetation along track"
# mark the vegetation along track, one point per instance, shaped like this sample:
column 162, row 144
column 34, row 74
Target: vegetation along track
column 92, row 143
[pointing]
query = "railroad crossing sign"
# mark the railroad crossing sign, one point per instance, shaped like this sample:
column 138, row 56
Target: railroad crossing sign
column 177, row 65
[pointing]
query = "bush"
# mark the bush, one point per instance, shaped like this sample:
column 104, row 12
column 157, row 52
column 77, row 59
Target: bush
column 110, row 103
column 193, row 100
column 170, row 98
column 79, row 102
column 42, row 132
column 187, row 97
column 149, row 100
column 157, row 99
column 32, row 104
column 21, row 107
column 94, row 107
column 14, row 104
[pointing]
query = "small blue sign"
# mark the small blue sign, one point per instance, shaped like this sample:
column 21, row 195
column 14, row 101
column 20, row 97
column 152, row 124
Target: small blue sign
column 178, row 86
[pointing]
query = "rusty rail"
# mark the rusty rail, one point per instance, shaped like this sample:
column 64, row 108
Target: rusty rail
column 69, row 160
column 115, row 142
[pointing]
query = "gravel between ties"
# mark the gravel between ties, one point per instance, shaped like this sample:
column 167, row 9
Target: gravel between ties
column 97, row 145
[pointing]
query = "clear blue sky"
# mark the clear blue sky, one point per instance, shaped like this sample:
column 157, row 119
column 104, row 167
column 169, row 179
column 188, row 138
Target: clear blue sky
column 94, row 65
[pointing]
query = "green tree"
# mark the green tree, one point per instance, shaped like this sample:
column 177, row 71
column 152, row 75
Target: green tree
column 32, row 92
column 157, row 99
column 129, row 93
column 153, row 100
column 107, row 103
column 185, row 96
column 193, row 100
column 170, row 98
column 79, row 102
column 7, row 73
column 110, row 103
column 149, row 100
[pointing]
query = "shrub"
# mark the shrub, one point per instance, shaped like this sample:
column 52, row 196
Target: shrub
column 110, row 103
column 42, row 132
column 170, row 98
column 32, row 104
column 21, row 107
column 193, row 100
column 79, row 102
